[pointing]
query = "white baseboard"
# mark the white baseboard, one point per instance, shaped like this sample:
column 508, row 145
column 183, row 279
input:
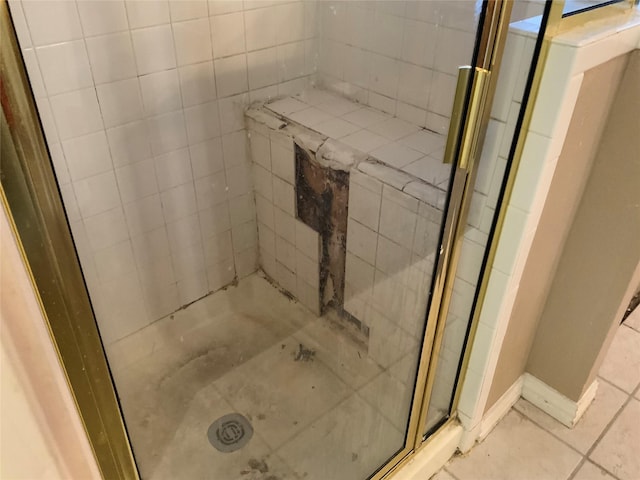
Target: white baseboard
column 432, row 457
column 552, row 402
column 501, row 408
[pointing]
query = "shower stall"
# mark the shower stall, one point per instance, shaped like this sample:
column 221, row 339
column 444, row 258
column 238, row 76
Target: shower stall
column 280, row 210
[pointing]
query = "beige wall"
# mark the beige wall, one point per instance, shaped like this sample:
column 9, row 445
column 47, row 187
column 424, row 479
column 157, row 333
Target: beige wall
column 550, row 246
column 41, row 435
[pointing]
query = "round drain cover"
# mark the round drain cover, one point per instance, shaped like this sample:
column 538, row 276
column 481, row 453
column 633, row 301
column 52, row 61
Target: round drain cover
column 230, row 433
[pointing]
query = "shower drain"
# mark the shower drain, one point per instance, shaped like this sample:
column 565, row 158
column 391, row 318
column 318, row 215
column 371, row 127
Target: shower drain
column 230, row 433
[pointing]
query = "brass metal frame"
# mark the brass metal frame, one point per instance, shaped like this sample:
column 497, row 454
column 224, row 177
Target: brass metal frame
column 477, row 100
column 560, row 22
column 31, row 198
column 555, row 25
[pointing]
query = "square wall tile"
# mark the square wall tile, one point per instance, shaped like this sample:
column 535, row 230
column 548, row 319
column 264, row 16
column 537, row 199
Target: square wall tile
column 144, row 215
column 266, row 240
column 153, row 48
column 220, row 275
column 97, row 194
column 263, row 68
column 129, row 143
column 33, row 72
column 52, row 22
column 238, row 180
column 261, row 28
column 214, row 220
column 211, row 190
column 307, row 241
column 231, row 75
column 364, row 206
column 235, row 148
column 242, row 209
column 102, row 16
column 120, row 102
column 397, row 223
column 232, row 112
column 160, row 92
column 106, row 229
column 291, row 61
column 245, row 236
column 202, row 122
column 76, row 113
column 76, row 73
column 206, row 158
column 291, row 14
column 362, row 241
column 307, row 270
column 87, row 155
column 260, row 149
column 187, row 9
column 167, row 132
column 151, row 245
column 265, row 212
column 193, row 41
column 197, row 83
column 283, row 162
column 111, row 57
column 179, row 202
column 184, row 232
column 284, row 196
column 286, row 253
column 228, row 34
column 173, row 169
column 285, row 225
column 146, row 14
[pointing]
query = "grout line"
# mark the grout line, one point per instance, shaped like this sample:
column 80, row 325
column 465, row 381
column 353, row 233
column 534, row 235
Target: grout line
column 550, row 433
column 606, row 430
column 448, row 471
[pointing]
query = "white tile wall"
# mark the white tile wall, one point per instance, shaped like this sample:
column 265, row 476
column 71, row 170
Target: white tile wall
column 398, row 56
column 142, row 103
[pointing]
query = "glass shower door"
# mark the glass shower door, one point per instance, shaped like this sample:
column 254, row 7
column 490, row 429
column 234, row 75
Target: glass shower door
column 265, row 219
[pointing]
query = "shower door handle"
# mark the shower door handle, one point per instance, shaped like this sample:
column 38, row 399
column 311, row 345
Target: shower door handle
column 455, row 125
column 467, row 122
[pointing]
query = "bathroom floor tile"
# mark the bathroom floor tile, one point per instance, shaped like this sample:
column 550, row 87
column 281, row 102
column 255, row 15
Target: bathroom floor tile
column 190, row 455
column 343, row 444
column 618, row 450
column 622, row 363
column 517, row 448
column 633, row 320
column 583, row 435
column 589, row 471
column 345, row 353
column 283, row 389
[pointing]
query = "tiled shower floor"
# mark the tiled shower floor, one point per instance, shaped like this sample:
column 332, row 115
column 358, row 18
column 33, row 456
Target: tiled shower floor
column 330, row 417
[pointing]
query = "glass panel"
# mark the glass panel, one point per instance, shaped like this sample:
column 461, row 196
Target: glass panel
column 256, row 193
column 507, row 105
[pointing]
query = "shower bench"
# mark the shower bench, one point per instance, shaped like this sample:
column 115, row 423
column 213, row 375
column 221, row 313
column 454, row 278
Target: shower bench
column 349, row 204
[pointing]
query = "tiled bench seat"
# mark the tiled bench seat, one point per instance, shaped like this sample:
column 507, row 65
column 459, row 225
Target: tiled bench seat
column 393, row 214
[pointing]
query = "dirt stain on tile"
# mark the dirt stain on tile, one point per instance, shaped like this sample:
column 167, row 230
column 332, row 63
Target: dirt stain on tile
column 304, row 354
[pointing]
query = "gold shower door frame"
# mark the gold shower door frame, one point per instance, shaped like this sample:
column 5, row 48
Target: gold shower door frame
column 30, row 195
